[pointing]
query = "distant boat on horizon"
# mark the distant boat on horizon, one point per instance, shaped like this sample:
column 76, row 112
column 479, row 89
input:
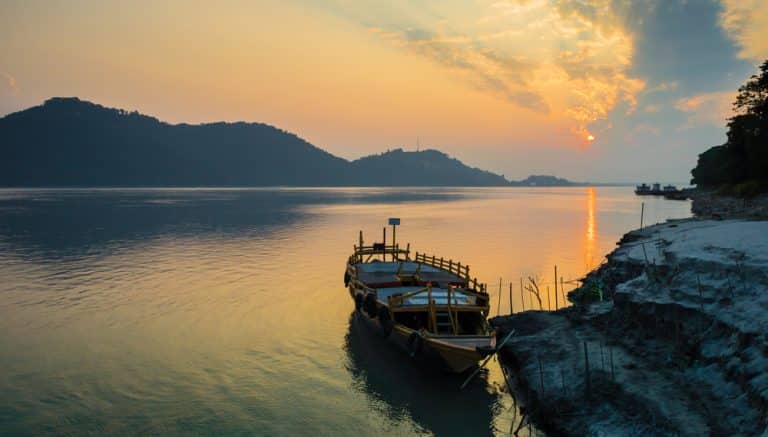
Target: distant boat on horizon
column 642, row 189
column 669, row 191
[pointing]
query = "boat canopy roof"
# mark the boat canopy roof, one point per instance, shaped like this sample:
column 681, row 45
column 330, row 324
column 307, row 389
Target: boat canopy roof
column 439, row 296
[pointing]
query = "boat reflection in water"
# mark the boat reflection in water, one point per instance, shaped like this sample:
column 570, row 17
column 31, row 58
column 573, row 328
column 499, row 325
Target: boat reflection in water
column 430, row 397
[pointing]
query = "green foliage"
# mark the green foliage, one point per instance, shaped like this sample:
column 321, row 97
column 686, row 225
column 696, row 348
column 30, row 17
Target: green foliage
column 744, row 189
column 748, row 189
column 591, row 291
column 743, row 160
column 720, row 165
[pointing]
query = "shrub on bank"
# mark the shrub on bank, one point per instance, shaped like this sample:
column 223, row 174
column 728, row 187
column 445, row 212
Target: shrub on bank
column 743, row 190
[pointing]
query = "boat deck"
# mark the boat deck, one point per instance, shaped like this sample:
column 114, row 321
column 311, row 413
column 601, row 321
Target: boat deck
column 385, row 274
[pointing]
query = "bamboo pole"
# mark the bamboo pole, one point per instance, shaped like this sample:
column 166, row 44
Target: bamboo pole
column 549, row 299
column 498, row 306
column 522, row 294
column 511, row 305
column 394, row 241
column 642, row 213
column 450, row 316
column 384, row 254
column 556, row 304
column 431, row 306
column 562, row 290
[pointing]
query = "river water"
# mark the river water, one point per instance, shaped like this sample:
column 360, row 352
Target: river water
column 222, row 311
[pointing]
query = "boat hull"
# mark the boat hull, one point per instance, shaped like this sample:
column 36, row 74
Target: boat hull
column 434, row 350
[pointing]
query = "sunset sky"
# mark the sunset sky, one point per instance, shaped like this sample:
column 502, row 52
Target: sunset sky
column 512, row 86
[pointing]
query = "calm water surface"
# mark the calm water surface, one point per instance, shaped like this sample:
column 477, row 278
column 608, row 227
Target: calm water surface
column 223, row 311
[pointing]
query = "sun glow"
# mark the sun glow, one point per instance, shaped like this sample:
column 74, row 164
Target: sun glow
column 590, row 138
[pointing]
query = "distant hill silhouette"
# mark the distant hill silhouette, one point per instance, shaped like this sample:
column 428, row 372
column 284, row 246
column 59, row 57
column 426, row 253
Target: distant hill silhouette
column 427, row 167
column 545, row 181
column 70, row 142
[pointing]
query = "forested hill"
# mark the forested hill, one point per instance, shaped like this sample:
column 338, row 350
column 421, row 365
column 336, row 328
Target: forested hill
column 70, row 142
column 427, row 167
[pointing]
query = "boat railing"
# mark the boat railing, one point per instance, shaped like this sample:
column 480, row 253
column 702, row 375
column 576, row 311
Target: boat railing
column 443, row 264
column 449, row 265
column 403, row 255
column 393, row 250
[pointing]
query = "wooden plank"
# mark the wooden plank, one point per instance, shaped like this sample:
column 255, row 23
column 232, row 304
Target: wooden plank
column 425, row 308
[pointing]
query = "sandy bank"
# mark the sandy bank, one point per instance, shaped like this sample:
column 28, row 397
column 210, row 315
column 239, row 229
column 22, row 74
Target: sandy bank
column 677, row 346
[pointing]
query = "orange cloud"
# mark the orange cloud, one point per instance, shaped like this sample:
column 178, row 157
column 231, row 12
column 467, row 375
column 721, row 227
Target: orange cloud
column 479, row 66
column 571, row 61
column 708, row 108
column 746, row 22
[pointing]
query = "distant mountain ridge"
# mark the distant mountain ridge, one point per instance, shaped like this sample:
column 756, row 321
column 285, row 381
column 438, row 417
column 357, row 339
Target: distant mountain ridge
column 71, row 142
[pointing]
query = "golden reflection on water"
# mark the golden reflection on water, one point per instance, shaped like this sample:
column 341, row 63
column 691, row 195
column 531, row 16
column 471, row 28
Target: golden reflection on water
column 591, row 236
column 199, row 311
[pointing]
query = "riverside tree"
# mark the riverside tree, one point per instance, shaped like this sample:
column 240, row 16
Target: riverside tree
column 740, row 165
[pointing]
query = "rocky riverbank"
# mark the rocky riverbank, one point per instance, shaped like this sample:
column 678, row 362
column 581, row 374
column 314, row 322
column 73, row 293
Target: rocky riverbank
column 673, row 327
column 707, row 204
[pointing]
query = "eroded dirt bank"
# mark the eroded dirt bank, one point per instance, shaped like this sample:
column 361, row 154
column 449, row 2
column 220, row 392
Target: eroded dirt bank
column 676, row 346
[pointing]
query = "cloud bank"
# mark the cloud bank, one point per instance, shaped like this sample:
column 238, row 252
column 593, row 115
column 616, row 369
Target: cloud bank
column 567, row 58
column 746, row 22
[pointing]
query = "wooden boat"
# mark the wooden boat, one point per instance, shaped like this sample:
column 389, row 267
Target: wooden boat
column 427, row 305
column 642, row 189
